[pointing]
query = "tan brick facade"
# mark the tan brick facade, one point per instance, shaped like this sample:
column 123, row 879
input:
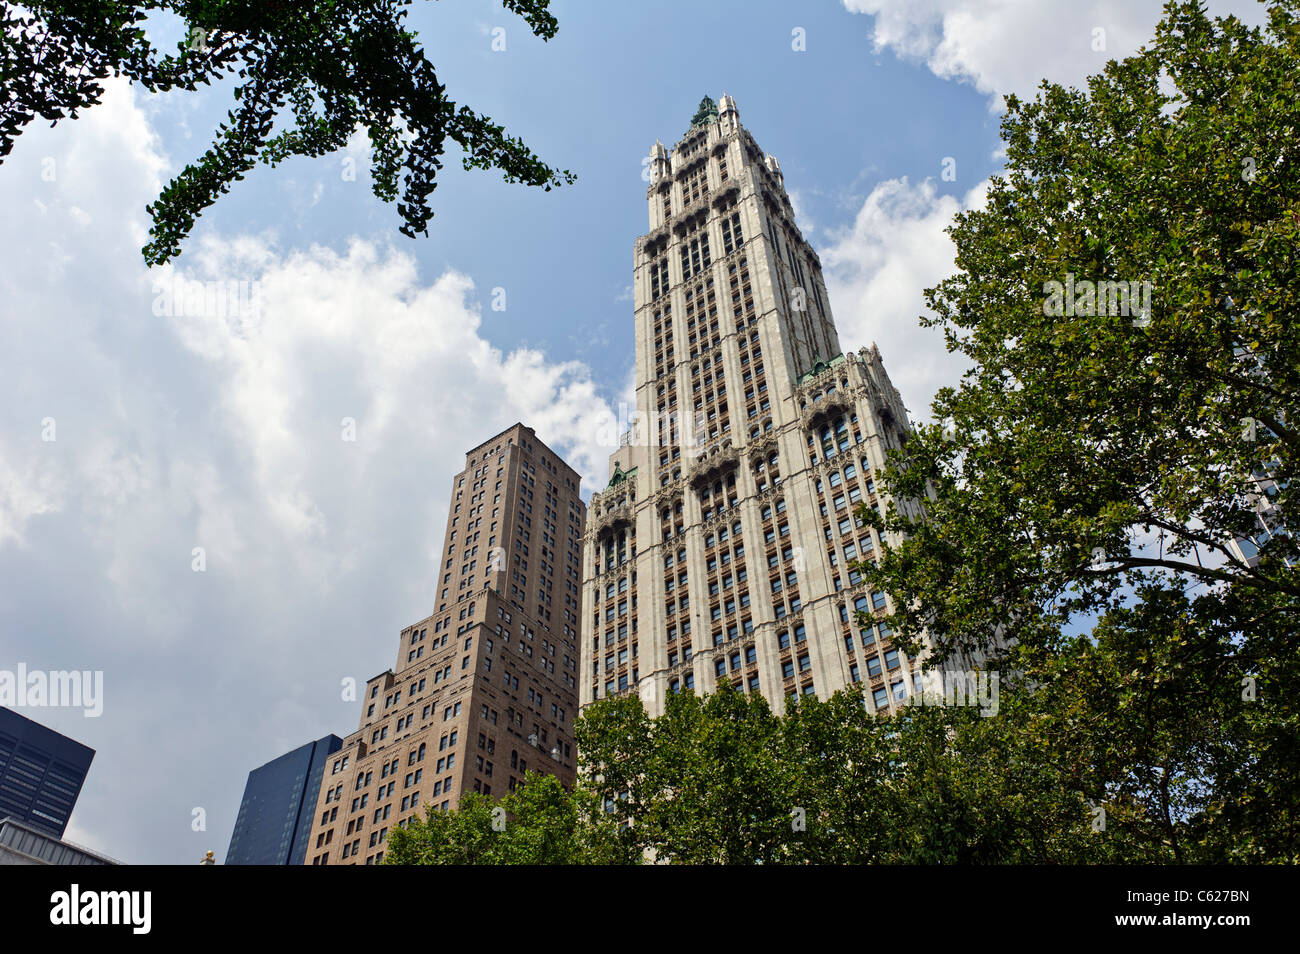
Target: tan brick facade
column 486, row 687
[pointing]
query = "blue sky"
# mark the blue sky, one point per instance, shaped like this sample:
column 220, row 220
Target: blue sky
column 178, row 431
column 838, row 116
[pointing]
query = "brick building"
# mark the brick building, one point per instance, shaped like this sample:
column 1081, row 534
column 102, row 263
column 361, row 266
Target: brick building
column 485, row 688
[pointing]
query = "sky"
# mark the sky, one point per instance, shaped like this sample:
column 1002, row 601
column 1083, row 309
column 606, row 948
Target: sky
column 231, row 512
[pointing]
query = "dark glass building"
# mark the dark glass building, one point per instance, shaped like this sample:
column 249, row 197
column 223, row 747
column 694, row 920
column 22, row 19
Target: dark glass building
column 41, row 773
column 275, row 817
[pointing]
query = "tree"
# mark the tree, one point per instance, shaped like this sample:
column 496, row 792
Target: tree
column 540, row 823
column 1110, row 441
column 841, row 770
column 723, row 780
column 1086, row 768
column 713, row 785
column 334, row 65
column 975, row 789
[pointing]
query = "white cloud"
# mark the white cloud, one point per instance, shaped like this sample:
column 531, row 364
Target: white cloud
column 1009, row 46
column 801, row 216
column 222, row 430
column 24, row 494
column 876, row 271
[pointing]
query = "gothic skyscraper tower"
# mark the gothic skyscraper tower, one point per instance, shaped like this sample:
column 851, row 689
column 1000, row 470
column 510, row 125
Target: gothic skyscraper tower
column 721, row 549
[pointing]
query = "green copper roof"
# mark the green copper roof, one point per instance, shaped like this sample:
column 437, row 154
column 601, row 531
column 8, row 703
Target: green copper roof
column 620, row 475
column 707, row 113
column 819, row 366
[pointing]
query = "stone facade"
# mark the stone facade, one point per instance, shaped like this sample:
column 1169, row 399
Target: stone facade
column 720, row 550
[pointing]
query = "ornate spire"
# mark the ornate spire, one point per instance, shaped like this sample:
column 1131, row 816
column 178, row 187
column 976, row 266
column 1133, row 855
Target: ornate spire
column 707, row 113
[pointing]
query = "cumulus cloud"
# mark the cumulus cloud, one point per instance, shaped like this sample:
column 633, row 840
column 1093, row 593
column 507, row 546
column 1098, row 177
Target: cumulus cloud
column 1010, row 46
column 200, row 416
column 806, row 225
column 876, row 270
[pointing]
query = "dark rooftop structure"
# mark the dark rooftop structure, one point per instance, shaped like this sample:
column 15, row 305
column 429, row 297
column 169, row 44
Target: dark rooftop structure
column 41, row 773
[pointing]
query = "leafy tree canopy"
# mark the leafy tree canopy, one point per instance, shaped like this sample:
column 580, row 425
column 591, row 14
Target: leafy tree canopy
column 723, row 780
column 1087, row 452
column 1092, row 767
column 323, row 67
column 1097, row 462
column 537, row 824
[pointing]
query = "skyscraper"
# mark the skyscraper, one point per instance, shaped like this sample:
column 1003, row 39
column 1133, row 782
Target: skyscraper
column 41, row 773
column 720, row 551
column 275, row 814
column 473, row 709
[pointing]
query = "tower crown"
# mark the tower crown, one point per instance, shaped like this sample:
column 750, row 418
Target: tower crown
column 707, row 113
